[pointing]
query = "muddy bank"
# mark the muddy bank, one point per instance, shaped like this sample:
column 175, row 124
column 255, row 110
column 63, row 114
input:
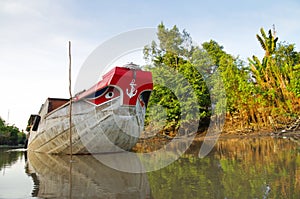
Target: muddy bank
column 154, row 143
column 154, row 140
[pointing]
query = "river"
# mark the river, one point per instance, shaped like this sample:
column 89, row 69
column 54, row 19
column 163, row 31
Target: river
column 262, row 167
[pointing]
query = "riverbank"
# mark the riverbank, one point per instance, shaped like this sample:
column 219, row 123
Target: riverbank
column 286, row 135
column 146, row 145
column 156, row 140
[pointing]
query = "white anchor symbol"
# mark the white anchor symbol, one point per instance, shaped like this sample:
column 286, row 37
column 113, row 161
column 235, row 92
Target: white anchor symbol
column 133, row 91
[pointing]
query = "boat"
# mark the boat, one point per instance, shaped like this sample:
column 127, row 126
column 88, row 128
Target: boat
column 108, row 117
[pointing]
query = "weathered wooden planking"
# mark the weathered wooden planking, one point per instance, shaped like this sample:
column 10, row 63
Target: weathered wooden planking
column 95, row 129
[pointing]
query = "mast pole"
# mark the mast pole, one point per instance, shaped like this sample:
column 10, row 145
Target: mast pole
column 70, row 108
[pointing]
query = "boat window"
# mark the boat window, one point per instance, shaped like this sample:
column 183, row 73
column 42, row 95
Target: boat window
column 36, row 123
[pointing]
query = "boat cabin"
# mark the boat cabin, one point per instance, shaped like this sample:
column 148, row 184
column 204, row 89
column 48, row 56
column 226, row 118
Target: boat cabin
column 50, row 105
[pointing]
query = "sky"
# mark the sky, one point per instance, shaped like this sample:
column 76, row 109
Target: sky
column 34, row 37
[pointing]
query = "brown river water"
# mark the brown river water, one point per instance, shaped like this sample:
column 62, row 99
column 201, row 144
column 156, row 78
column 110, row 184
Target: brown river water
column 261, row 167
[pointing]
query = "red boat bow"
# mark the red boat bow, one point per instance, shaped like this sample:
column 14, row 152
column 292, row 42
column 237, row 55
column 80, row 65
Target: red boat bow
column 125, row 82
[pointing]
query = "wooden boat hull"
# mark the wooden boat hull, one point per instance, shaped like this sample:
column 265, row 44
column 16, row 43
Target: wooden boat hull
column 102, row 129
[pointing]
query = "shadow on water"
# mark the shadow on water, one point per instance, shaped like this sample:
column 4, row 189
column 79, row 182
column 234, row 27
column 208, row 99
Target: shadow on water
column 55, row 176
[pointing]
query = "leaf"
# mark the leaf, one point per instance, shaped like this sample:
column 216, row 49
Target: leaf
column 261, row 41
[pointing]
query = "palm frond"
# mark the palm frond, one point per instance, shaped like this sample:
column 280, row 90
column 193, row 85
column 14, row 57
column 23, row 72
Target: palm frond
column 263, row 34
column 261, row 41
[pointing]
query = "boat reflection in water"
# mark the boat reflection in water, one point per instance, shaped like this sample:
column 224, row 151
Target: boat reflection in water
column 86, row 177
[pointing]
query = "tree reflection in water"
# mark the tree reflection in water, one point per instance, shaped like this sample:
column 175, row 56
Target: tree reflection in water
column 236, row 168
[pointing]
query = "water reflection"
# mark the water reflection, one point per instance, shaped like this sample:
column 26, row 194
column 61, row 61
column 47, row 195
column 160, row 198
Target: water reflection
column 14, row 183
column 55, row 177
column 8, row 158
column 236, row 168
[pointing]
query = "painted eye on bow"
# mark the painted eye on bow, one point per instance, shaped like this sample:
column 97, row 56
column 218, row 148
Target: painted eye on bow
column 109, row 95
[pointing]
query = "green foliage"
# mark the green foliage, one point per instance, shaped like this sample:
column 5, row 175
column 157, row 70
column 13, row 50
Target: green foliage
column 276, row 80
column 268, row 43
column 10, row 135
column 288, row 61
column 233, row 74
column 214, row 50
column 179, row 87
column 253, row 94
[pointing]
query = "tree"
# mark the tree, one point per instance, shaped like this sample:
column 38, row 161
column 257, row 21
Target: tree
column 289, row 61
column 268, row 43
column 274, row 79
column 10, row 135
column 174, row 66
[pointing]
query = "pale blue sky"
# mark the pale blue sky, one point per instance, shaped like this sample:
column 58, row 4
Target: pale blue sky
column 34, row 37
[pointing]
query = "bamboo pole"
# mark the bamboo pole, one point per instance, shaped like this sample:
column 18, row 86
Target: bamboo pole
column 70, row 108
column 70, row 123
